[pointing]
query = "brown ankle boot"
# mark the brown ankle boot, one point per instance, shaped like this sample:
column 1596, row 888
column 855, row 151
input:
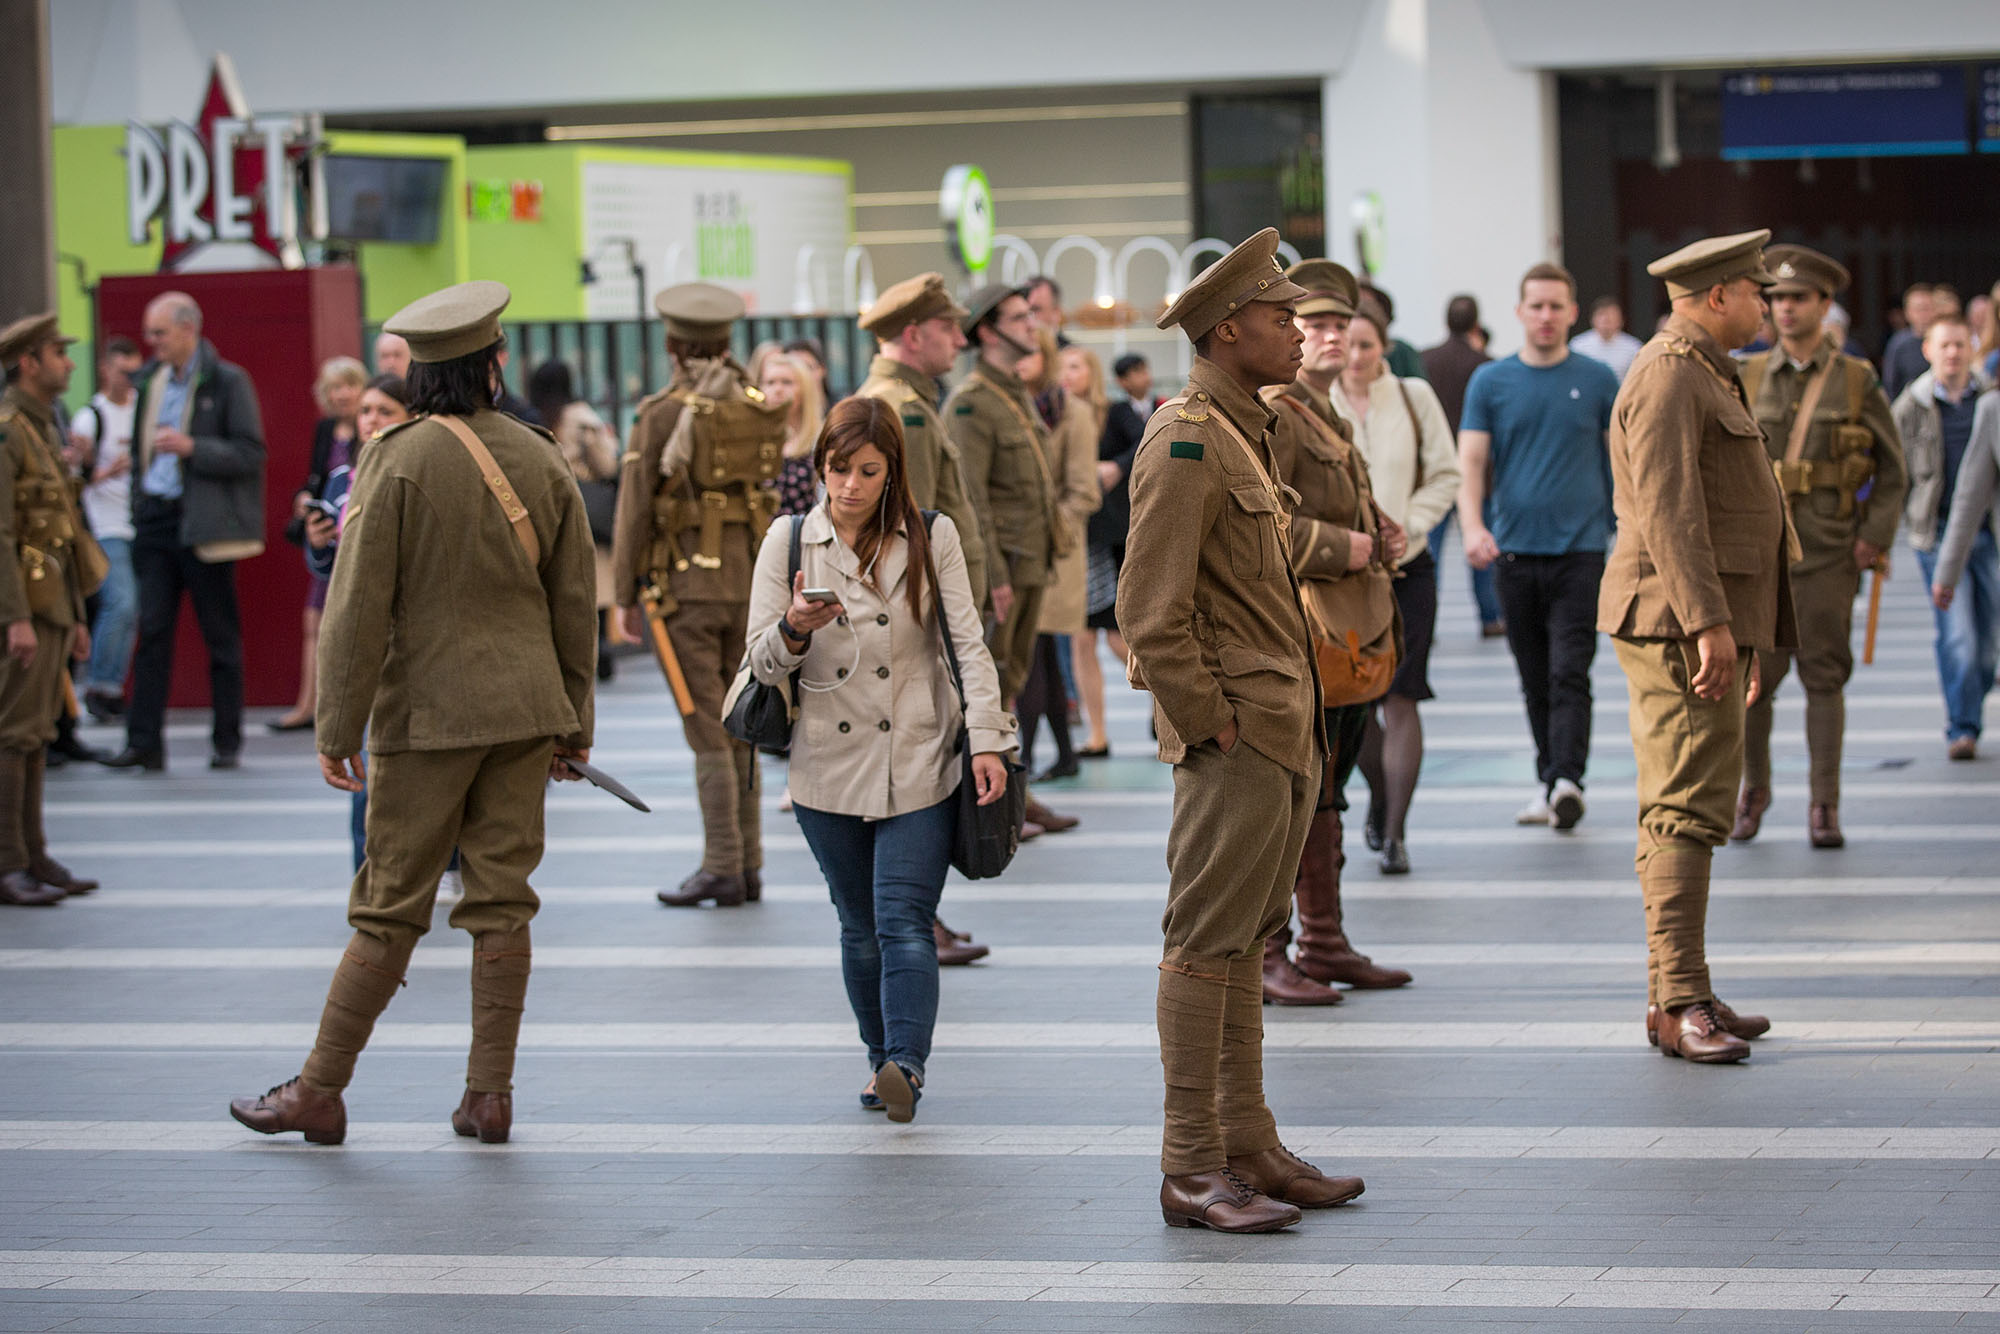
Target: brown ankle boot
column 1823, row 826
column 294, row 1105
column 501, row 961
column 1751, row 804
column 488, row 1115
column 1696, row 1033
column 955, row 948
column 1224, row 1202
column 40, row 865
column 1283, row 1175
column 1324, row 952
column 1286, row 985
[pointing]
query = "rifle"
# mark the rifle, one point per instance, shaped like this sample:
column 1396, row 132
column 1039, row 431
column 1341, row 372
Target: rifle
column 1881, row 569
column 663, row 649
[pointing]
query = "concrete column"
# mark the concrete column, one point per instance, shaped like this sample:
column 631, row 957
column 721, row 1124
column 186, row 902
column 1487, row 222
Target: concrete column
column 27, row 195
column 1461, row 148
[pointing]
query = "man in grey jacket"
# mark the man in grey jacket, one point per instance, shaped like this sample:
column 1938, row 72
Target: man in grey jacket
column 1936, row 416
column 197, row 508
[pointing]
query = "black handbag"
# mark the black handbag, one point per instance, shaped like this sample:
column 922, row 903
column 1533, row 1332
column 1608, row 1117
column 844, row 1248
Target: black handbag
column 764, row 712
column 600, row 506
column 985, row 838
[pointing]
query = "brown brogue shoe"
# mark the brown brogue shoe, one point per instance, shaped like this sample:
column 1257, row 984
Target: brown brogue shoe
column 1356, row 970
column 1696, row 1033
column 53, row 873
column 1823, row 826
column 1050, row 822
column 1223, row 1202
column 1283, row 1175
column 1286, row 985
column 18, row 889
column 1745, row 1026
column 955, row 948
column 1751, row 804
column 321, row 1117
column 487, row 1115
column 699, row 888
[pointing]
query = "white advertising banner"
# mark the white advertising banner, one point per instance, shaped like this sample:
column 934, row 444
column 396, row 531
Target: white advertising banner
column 773, row 229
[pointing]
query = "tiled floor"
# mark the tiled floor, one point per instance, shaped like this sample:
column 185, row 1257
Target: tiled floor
column 688, row 1152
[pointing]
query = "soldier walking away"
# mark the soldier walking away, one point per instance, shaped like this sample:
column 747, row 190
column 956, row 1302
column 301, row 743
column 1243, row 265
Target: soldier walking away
column 1211, row 611
column 465, row 558
column 1003, row 451
column 1342, row 549
column 1832, row 440
column 916, row 322
column 1694, row 590
column 49, row 564
column 697, row 492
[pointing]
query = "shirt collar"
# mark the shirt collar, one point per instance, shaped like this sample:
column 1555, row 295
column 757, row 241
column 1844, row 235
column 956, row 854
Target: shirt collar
column 908, row 374
column 1704, row 342
column 1944, row 395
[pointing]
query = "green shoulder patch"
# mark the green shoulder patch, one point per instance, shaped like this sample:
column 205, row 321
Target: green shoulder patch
column 962, row 410
column 1185, row 449
column 913, row 419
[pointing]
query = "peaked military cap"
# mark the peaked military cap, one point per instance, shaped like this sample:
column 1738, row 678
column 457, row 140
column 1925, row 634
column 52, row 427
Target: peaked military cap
column 1719, row 259
column 984, row 302
column 911, row 301
column 30, row 334
column 1330, row 287
column 454, row 322
column 699, row 312
column 1799, row 269
column 1246, row 274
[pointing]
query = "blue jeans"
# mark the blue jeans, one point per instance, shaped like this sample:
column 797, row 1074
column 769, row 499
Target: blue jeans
column 117, row 624
column 1484, row 595
column 1968, row 636
column 885, row 877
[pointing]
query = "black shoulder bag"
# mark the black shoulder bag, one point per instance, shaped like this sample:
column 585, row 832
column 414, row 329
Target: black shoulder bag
column 764, row 712
column 986, row 837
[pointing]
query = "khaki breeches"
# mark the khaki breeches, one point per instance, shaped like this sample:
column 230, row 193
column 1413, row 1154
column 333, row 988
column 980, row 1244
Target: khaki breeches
column 1013, row 640
column 708, row 639
column 487, row 801
column 1824, row 603
column 31, row 694
column 1239, row 824
column 1689, row 749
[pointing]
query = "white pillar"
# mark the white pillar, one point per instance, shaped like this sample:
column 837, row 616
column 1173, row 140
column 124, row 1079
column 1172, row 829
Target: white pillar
column 1460, row 148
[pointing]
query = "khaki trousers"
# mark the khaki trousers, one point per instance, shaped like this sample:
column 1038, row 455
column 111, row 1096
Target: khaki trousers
column 1013, row 640
column 31, row 694
column 708, row 639
column 487, row 802
column 1824, row 603
column 1239, row 824
column 1690, row 759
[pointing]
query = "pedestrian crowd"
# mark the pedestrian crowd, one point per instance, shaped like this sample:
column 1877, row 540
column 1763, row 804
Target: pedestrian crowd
column 902, row 588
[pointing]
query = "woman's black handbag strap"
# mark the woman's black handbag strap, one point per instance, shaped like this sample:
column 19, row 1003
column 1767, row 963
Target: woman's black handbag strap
column 944, row 626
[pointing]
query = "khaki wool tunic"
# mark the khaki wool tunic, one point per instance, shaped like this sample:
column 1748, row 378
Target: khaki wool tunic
column 1004, row 457
column 930, row 459
column 35, row 499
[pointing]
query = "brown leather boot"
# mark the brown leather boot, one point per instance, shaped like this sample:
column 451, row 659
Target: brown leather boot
column 753, row 885
column 1751, row 803
column 1745, row 1026
column 18, row 889
column 1823, row 826
column 1223, row 1202
column 18, row 886
column 1696, row 1033
column 728, row 891
column 955, row 948
column 1050, row 822
column 1283, row 1175
column 294, row 1105
column 488, row 1115
column 1324, row 952
column 1286, row 985
column 40, row 865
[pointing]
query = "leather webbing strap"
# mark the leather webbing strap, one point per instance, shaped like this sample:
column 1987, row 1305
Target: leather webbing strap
column 496, row 482
column 1795, row 445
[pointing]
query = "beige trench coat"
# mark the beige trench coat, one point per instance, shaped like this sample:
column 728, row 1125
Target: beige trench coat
column 878, row 715
column 1073, row 469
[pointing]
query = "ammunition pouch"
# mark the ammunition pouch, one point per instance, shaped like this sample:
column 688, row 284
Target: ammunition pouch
column 1846, row 475
column 41, row 580
column 707, row 516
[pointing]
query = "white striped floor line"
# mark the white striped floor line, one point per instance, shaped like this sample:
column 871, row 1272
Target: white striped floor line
column 1605, row 793
column 1337, row 1033
column 1363, row 887
column 1926, row 954
column 875, row 1138
column 1494, row 834
column 916, row 1279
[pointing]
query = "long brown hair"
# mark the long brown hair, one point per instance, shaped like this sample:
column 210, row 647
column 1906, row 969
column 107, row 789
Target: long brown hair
column 853, row 424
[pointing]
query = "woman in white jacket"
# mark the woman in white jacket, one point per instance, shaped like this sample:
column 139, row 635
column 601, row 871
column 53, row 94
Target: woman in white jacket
column 874, row 759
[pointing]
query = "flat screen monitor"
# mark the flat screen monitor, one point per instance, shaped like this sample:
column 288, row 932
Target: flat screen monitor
column 397, row 199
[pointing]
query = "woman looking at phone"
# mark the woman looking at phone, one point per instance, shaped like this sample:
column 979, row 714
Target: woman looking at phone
column 874, row 760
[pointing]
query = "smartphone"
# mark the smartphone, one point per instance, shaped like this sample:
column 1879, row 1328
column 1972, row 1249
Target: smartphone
column 325, row 508
column 818, row 595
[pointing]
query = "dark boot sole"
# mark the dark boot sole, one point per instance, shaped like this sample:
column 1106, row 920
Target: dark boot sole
column 1721, row 1058
column 1269, row 999
column 462, row 1123
column 312, row 1136
column 1323, row 1204
column 1189, row 1220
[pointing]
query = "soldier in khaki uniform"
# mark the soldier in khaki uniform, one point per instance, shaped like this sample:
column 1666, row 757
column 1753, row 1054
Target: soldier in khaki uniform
column 48, row 565
column 1210, row 609
column 1695, row 587
column 1004, row 456
column 695, row 496
column 916, row 321
column 1343, row 550
column 1848, row 441
column 461, row 632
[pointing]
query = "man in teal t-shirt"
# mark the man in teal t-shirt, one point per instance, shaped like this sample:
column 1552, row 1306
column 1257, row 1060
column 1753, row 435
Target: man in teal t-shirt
column 1533, row 434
